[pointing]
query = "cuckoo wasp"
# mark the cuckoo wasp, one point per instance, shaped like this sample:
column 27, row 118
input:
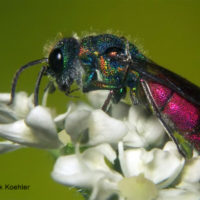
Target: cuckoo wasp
column 112, row 63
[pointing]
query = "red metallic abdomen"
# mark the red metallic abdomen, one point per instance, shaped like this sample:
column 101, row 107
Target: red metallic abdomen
column 181, row 112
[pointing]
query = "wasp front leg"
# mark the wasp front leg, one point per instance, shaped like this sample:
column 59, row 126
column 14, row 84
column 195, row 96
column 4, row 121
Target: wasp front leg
column 115, row 94
column 91, row 83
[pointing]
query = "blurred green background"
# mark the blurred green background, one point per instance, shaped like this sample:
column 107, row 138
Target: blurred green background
column 168, row 31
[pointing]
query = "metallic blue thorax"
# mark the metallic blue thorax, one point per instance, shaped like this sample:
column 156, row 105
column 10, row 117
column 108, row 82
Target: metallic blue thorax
column 99, row 56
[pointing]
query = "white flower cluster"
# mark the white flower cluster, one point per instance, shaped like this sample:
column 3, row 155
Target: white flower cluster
column 22, row 124
column 123, row 155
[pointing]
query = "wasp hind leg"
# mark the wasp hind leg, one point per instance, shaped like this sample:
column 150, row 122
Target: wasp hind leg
column 133, row 96
column 183, row 146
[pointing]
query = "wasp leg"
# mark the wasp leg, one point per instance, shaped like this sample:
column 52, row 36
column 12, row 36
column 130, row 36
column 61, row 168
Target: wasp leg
column 69, row 91
column 133, row 97
column 98, row 85
column 183, row 146
column 106, row 103
column 50, row 88
column 115, row 94
column 38, row 82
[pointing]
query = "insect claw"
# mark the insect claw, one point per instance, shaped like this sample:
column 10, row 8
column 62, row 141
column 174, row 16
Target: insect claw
column 68, row 95
column 68, row 92
column 10, row 102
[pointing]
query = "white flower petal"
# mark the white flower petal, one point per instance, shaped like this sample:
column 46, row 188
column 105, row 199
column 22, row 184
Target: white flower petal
column 60, row 119
column 95, row 156
column 42, row 124
column 136, row 113
column 22, row 104
column 97, row 97
column 160, row 166
column 144, row 131
column 138, row 188
column 17, row 110
column 76, row 123
column 178, row 194
column 190, row 178
column 20, row 133
column 120, row 110
column 84, row 170
column 103, row 128
column 7, row 115
column 64, row 137
column 107, row 151
column 7, row 146
column 4, row 98
column 154, row 133
column 17, row 132
column 133, row 139
column 69, row 171
column 191, row 171
column 40, row 131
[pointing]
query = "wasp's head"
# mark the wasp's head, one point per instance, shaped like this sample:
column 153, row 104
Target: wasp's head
column 63, row 63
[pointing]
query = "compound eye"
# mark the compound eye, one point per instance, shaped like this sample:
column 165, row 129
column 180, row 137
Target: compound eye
column 56, row 60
